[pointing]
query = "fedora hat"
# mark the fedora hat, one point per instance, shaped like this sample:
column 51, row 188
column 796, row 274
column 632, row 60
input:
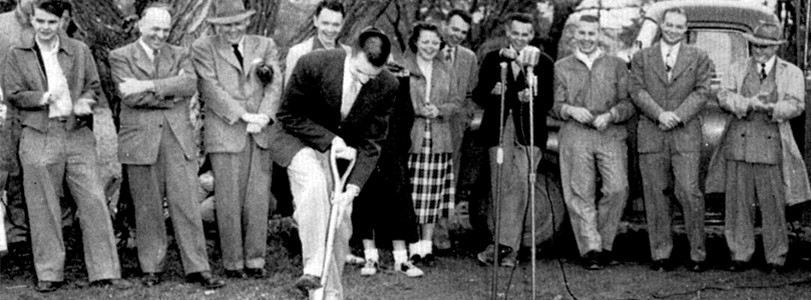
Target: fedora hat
column 229, row 11
column 766, row 34
column 370, row 31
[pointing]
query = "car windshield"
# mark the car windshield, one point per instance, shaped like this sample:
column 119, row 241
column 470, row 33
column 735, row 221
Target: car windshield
column 724, row 47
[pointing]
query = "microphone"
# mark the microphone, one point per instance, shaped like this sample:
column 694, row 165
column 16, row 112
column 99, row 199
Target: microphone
column 529, row 57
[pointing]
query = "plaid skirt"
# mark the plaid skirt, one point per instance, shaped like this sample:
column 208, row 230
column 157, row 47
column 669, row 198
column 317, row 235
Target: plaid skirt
column 432, row 182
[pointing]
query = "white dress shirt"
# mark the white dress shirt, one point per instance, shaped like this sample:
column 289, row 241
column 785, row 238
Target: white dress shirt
column 57, row 82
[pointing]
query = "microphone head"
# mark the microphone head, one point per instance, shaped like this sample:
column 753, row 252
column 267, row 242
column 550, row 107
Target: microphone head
column 529, row 56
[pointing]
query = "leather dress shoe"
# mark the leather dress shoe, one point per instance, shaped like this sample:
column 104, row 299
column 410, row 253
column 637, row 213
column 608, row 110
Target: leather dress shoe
column 591, row 261
column 775, row 268
column 116, row 283
column 257, row 273
column 151, row 279
column 205, row 279
column 308, row 282
column 48, row 286
column 236, row 274
column 487, row 256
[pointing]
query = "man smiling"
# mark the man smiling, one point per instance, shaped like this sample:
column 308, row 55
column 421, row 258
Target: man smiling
column 591, row 96
column 328, row 21
column 669, row 84
column 53, row 81
column 514, row 189
column 240, row 103
column 157, row 149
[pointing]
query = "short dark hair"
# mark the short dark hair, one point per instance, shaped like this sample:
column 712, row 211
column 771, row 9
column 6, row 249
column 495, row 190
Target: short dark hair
column 333, row 5
column 589, row 19
column 676, row 10
column 462, row 14
column 520, row 18
column 55, row 7
column 375, row 44
column 419, row 27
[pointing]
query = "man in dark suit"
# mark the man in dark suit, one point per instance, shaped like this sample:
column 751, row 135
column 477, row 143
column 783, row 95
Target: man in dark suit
column 239, row 103
column 53, row 81
column 669, row 84
column 335, row 101
column 514, row 189
column 156, row 146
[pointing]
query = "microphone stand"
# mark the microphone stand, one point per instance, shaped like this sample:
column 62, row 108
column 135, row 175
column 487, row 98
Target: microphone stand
column 499, row 174
column 532, row 81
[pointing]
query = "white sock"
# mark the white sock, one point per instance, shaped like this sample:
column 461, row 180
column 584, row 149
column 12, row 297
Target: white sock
column 427, row 247
column 415, row 248
column 400, row 256
column 371, row 254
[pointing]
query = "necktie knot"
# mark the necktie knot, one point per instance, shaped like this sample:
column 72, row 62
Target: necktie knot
column 449, row 54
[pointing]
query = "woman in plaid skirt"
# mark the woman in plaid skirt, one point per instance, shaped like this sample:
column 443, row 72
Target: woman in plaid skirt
column 430, row 159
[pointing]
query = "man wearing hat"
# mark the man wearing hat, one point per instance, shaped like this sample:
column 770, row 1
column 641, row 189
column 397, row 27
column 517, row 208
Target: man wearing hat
column 759, row 164
column 347, row 112
column 240, row 82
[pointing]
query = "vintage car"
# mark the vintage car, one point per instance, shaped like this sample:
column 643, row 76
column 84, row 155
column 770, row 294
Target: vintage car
column 716, row 27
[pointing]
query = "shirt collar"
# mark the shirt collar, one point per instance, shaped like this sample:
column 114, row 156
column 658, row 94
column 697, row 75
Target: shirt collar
column 769, row 64
column 667, row 48
column 149, row 51
column 586, row 58
column 55, row 49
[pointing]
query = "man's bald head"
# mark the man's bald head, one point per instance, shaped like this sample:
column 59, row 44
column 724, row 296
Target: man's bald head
column 155, row 25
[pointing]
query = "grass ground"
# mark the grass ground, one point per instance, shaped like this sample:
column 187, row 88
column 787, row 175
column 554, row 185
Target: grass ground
column 456, row 275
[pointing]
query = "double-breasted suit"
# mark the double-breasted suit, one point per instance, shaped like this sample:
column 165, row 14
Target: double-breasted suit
column 58, row 150
column 240, row 161
column 156, row 146
column 677, row 149
column 309, row 119
column 759, row 163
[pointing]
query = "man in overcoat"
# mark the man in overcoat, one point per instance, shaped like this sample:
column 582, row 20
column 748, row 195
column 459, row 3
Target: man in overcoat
column 669, row 85
column 156, row 146
column 240, row 82
column 758, row 164
column 335, row 101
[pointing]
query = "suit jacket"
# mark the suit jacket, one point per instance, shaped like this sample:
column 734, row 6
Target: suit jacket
column 310, row 113
column 443, row 95
column 298, row 50
column 791, row 93
column 143, row 115
column 489, row 75
column 24, row 81
column 465, row 67
column 685, row 95
column 230, row 90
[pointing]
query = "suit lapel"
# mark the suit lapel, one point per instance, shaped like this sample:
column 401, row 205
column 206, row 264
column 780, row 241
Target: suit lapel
column 655, row 57
column 682, row 61
column 142, row 61
column 249, row 52
column 333, row 85
column 227, row 53
column 367, row 93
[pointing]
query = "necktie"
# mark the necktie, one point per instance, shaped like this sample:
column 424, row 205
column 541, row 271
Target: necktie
column 155, row 53
column 763, row 72
column 668, row 63
column 349, row 99
column 449, row 55
column 237, row 53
